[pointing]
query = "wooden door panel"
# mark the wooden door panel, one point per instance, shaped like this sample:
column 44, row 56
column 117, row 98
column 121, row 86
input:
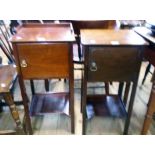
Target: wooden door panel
column 44, row 60
column 113, row 63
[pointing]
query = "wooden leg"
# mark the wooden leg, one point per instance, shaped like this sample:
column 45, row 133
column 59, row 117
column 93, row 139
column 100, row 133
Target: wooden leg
column 14, row 112
column 32, row 87
column 71, row 105
column 81, row 92
column 120, row 89
column 24, row 125
column 84, row 100
column 47, row 85
column 127, row 122
column 79, row 48
column 146, row 72
column 150, row 111
column 1, row 107
column 107, row 88
column 71, row 92
column 126, row 93
column 26, row 107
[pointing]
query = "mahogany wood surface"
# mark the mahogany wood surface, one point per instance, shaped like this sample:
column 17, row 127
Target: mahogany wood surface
column 44, row 60
column 111, row 55
column 49, row 102
column 44, row 51
column 105, row 105
column 44, row 33
column 8, row 74
column 111, row 62
column 111, row 37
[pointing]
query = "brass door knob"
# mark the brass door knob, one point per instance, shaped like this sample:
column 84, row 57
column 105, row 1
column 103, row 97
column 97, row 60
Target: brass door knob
column 23, row 63
column 93, row 67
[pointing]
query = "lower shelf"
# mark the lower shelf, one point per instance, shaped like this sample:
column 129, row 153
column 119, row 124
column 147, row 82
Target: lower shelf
column 49, row 103
column 103, row 105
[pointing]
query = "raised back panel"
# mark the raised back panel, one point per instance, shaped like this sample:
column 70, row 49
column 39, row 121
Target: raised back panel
column 44, row 60
column 113, row 63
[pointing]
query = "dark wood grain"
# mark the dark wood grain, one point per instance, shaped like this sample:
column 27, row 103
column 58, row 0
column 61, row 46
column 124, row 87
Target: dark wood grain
column 44, row 51
column 111, row 55
column 44, row 33
column 112, row 62
column 44, row 60
column 49, row 102
column 7, row 76
column 111, row 37
column 105, row 106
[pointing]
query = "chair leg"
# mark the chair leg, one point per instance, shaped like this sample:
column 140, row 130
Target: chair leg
column 14, row 112
column 146, row 73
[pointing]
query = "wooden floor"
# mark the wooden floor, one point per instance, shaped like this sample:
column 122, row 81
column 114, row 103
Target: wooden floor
column 56, row 124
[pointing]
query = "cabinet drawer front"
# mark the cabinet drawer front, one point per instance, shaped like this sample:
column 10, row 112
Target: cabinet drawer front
column 113, row 63
column 44, row 60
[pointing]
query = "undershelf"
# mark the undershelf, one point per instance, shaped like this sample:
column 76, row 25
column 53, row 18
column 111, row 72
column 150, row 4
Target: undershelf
column 106, row 106
column 49, row 103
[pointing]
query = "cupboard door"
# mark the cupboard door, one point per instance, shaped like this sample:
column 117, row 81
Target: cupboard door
column 113, row 63
column 44, row 60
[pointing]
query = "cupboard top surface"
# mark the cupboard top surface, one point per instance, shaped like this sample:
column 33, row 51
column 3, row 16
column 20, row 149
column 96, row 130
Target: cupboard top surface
column 111, row 37
column 44, row 33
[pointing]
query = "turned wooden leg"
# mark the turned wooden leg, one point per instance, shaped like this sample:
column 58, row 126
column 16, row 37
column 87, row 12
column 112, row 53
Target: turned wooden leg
column 150, row 111
column 14, row 112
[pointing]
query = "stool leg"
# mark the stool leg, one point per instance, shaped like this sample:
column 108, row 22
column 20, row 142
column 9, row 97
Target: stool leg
column 150, row 111
column 14, row 112
column 146, row 72
column 127, row 122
